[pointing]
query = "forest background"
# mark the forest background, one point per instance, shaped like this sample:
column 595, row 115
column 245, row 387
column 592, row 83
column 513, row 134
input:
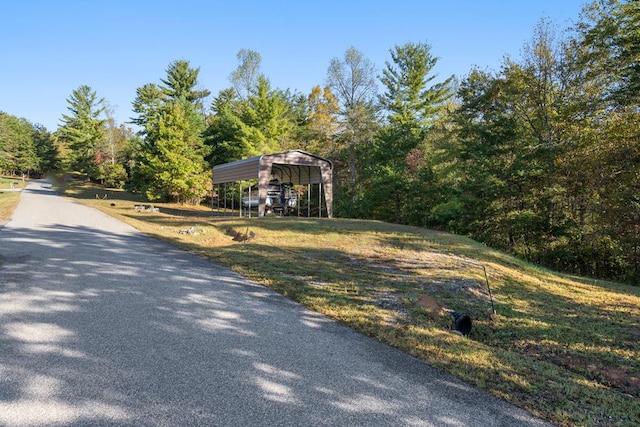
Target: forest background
column 540, row 158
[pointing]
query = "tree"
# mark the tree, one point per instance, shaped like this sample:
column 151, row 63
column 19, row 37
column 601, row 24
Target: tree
column 352, row 80
column 82, row 129
column 147, row 104
column 181, row 83
column 607, row 34
column 509, row 135
column 46, row 150
column 320, row 123
column 245, row 77
column 266, row 119
column 409, row 100
column 223, row 134
column 543, row 157
column 111, row 154
column 17, row 146
column 262, row 123
column 173, row 167
column 489, row 161
column 601, row 164
column 399, row 166
column 170, row 161
column 535, row 92
column 323, row 110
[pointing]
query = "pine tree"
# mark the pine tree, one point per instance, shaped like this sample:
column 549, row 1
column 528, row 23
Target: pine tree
column 82, row 129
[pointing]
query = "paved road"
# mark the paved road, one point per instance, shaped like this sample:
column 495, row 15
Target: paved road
column 100, row 325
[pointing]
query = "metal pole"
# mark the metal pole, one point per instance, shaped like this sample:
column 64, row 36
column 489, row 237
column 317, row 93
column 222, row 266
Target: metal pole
column 240, row 197
column 493, row 308
column 308, row 200
column 225, row 198
column 233, row 196
column 320, row 200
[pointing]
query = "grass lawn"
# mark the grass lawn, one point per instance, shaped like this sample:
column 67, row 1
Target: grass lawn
column 565, row 348
column 9, row 182
column 9, row 200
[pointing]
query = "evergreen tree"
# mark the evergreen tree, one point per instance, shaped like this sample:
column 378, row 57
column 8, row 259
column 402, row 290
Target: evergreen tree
column 223, row 134
column 266, row 119
column 182, row 82
column 83, row 129
column 173, row 166
column 147, row 104
column 262, row 123
column 170, row 159
column 399, row 167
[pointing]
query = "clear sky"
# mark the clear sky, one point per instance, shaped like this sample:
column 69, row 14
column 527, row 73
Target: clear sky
column 50, row 47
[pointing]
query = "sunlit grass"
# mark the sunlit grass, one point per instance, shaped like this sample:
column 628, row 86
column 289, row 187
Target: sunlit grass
column 9, row 200
column 8, row 203
column 565, row 348
column 12, row 182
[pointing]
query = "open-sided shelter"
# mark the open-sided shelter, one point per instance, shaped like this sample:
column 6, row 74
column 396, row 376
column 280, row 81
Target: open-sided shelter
column 295, row 166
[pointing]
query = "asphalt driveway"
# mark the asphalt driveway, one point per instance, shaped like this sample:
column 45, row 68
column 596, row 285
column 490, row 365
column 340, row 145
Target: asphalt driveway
column 101, row 325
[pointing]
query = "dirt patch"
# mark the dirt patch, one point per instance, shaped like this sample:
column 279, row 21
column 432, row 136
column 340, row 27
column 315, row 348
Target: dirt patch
column 239, row 236
column 622, row 379
column 430, row 305
column 393, row 302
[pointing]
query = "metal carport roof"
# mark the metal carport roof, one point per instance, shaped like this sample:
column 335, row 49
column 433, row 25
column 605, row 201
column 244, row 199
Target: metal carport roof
column 294, row 166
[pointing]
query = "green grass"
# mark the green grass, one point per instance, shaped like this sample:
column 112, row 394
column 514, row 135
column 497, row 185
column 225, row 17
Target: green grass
column 565, row 348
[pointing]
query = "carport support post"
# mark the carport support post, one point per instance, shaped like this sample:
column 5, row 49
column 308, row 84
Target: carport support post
column 308, row 200
column 320, row 200
column 240, row 199
column 264, row 172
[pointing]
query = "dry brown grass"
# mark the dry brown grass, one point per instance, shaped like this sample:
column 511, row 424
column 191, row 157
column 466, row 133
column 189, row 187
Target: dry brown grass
column 8, row 203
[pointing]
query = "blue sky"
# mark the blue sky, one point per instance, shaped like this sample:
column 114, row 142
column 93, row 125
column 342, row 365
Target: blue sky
column 49, row 48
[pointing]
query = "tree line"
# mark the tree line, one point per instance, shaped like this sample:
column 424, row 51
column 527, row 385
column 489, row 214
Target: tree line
column 540, row 157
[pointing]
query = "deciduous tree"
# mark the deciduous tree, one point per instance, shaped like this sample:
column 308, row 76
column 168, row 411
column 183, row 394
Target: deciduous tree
column 352, row 80
column 245, row 77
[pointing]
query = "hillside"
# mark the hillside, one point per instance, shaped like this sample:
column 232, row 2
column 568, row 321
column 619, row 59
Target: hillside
column 565, row 348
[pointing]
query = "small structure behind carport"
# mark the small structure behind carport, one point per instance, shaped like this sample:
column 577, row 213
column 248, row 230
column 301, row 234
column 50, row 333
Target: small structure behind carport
column 294, row 166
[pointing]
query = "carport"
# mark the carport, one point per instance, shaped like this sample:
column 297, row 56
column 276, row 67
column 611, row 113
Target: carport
column 294, row 166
